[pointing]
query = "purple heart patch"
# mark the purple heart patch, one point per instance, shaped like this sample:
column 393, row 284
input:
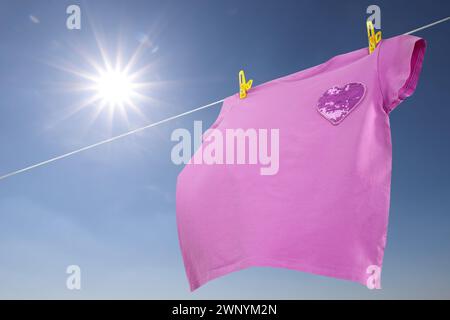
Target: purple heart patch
column 336, row 103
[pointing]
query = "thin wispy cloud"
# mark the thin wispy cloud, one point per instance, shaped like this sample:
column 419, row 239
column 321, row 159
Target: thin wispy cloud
column 155, row 49
column 145, row 41
column 34, row 19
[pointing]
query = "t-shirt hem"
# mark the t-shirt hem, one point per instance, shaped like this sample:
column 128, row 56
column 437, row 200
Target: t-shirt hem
column 350, row 275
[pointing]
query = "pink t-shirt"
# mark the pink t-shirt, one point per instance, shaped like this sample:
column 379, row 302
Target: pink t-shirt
column 325, row 209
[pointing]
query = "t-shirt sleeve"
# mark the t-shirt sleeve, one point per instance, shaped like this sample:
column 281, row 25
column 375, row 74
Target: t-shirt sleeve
column 399, row 65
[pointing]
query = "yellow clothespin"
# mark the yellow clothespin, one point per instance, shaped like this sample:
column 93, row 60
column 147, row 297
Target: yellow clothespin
column 244, row 86
column 374, row 38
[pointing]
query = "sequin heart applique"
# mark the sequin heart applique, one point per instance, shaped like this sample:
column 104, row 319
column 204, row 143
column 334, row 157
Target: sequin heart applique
column 336, row 103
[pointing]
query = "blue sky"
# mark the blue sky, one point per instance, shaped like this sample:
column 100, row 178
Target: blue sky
column 111, row 210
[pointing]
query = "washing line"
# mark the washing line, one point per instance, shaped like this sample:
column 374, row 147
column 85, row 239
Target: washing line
column 154, row 124
column 427, row 26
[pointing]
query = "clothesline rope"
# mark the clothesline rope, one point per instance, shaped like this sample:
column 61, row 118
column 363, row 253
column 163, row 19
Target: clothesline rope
column 154, row 124
column 427, row 26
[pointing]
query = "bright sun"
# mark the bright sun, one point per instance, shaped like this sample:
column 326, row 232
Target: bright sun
column 114, row 88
